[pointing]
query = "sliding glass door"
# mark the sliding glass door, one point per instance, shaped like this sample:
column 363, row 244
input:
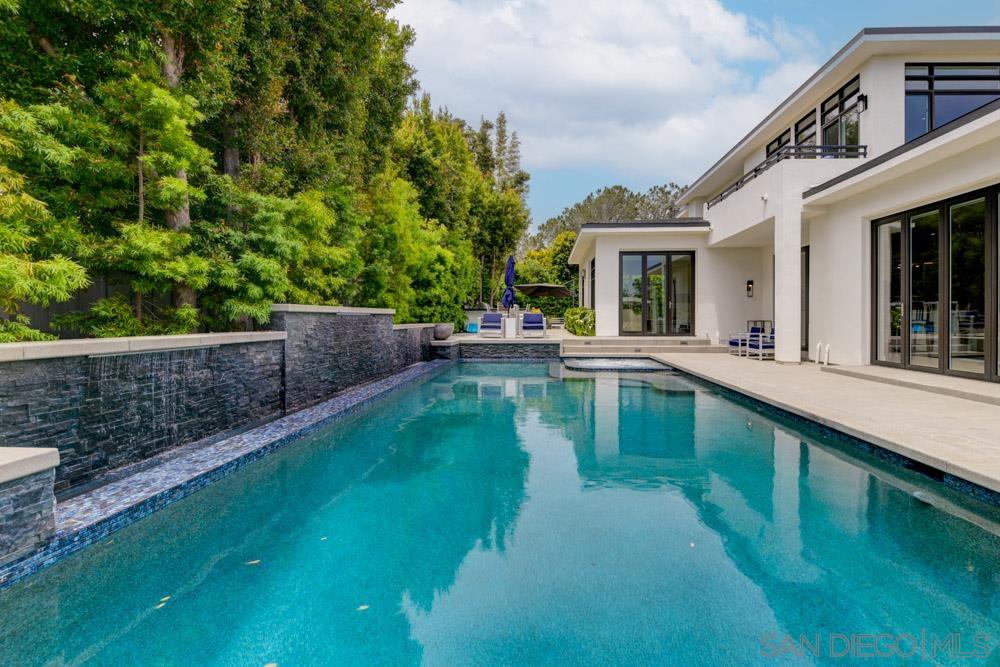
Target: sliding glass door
column 657, row 294
column 925, row 285
column 935, row 288
column 889, row 291
column 967, row 286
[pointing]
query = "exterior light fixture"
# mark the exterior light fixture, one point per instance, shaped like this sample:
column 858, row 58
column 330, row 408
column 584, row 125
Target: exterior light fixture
column 749, row 289
column 862, row 103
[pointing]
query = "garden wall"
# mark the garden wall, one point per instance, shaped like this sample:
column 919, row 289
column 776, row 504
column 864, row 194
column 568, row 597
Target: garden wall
column 108, row 403
column 111, row 402
column 330, row 349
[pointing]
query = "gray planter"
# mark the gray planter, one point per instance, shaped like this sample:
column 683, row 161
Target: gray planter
column 443, row 331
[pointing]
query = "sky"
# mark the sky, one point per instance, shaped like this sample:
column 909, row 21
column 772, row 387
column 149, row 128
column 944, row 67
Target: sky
column 636, row 92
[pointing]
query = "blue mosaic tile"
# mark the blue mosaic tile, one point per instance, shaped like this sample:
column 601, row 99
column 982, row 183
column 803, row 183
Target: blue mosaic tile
column 94, row 515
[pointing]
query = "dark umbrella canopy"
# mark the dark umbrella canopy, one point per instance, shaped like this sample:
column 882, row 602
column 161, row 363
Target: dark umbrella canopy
column 509, row 277
column 543, row 289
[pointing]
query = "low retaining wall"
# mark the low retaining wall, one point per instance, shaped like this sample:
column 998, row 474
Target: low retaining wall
column 107, row 403
column 103, row 404
column 330, row 349
column 27, row 502
column 495, row 350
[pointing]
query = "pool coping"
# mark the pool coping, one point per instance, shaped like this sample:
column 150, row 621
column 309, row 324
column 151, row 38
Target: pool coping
column 94, row 515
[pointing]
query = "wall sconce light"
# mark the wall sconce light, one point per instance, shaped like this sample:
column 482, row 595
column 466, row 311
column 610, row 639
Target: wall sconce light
column 749, row 289
column 862, row 103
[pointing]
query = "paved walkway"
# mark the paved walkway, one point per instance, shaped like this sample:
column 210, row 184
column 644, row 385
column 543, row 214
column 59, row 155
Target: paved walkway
column 953, row 434
column 986, row 392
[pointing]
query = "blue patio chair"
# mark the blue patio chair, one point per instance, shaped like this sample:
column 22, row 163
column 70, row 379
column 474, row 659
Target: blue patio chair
column 738, row 343
column 491, row 325
column 533, row 324
column 761, row 347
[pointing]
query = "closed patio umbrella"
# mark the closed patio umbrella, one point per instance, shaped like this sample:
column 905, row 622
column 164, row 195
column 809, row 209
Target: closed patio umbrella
column 508, row 277
column 543, row 289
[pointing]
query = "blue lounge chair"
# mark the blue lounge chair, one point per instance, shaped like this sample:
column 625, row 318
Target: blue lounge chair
column 533, row 324
column 761, row 347
column 491, row 325
column 738, row 343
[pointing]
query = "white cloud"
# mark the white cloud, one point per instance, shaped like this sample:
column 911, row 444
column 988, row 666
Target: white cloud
column 649, row 87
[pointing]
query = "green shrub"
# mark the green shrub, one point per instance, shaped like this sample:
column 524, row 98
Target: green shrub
column 580, row 321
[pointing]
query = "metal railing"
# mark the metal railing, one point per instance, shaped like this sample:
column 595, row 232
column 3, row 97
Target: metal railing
column 791, row 153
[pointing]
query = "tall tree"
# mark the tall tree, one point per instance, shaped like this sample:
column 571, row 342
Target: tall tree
column 612, row 204
column 29, row 271
column 225, row 154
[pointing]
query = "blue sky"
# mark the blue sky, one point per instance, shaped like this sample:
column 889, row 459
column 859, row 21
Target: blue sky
column 636, row 92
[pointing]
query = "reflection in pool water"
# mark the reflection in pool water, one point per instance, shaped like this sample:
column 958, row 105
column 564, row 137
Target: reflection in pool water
column 525, row 513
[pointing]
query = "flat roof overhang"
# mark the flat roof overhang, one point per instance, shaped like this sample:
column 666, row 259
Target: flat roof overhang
column 589, row 232
column 867, row 43
column 953, row 139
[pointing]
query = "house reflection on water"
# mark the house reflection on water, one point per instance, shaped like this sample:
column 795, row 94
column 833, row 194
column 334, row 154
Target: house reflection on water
column 799, row 514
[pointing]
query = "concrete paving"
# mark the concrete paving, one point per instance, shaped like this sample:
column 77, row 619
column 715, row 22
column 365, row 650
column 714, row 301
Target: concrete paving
column 950, row 433
column 974, row 390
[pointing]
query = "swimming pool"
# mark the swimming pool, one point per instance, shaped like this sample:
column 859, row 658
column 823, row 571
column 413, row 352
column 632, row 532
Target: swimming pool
column 524, row 513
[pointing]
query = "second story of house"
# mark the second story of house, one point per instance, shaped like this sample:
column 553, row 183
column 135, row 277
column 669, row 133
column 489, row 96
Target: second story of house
column 885, row 88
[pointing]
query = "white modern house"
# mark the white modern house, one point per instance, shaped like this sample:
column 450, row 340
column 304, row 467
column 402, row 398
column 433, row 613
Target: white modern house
column 860, row 213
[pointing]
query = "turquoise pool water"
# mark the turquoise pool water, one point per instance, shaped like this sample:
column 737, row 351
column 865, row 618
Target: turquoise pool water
column 527, row 514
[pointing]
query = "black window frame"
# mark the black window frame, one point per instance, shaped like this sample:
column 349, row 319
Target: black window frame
column 593, row 282
column 808, row 124
column 842, row 102
column 991, row 348
column 930, row 77
column 782, row 140
column 669, row 254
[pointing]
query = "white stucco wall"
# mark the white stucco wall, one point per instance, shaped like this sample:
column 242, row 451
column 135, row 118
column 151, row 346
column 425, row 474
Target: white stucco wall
column 721, row 304
column 840, row 244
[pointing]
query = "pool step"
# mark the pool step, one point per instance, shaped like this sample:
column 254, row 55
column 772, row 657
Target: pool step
column 626, row 346
column 608, row 350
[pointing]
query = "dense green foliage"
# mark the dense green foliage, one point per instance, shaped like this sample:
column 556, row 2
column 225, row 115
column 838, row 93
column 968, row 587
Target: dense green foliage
column 551, row 265
column 206, row 159
column 580, row 321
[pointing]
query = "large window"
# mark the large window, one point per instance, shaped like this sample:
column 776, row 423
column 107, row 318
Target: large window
column 805, row 130
column 779, row 143
column 935, row 283
column 839, row 114
column 939, row 93
column 888, row 277
column 657, row 293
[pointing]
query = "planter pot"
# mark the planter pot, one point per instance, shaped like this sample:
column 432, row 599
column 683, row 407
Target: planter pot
column 443, row 331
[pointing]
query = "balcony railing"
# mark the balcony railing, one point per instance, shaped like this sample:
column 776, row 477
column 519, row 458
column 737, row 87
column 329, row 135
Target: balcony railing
column 791, row 153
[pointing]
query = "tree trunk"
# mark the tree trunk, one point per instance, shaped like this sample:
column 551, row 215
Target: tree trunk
column 137, row 305
column 230, row 161
column 180, row 218
column 230, row 153
column 142, row 178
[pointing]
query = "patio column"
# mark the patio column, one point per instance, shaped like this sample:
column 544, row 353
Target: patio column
column 788, row 280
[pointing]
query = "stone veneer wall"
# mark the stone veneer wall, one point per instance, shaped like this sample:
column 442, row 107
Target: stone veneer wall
column 509, row 351
column 27, row 515
column 331, row 349
column 110, row 403
column 106, row 411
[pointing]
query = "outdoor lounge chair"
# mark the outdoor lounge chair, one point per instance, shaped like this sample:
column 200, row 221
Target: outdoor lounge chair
column 533, row 324
column 738, row 342
column 491, row 325
column 761, row 347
